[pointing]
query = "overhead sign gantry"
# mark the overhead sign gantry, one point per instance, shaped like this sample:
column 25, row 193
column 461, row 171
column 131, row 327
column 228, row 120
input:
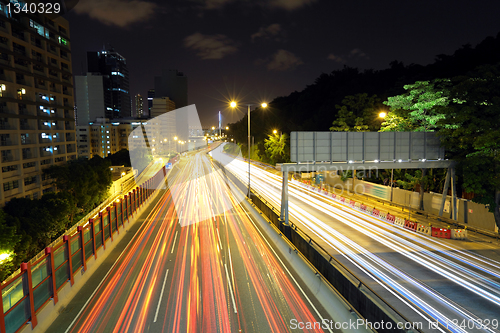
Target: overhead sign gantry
column 368, row 151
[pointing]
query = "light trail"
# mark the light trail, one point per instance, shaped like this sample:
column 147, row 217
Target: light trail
column 183, row 272
column 442, row 258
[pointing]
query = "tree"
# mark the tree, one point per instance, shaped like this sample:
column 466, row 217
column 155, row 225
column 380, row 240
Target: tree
column 8, row 241
column 86, row 181
column 472, row 135
column 357, row 114
column 277, row 148
column 419, row 108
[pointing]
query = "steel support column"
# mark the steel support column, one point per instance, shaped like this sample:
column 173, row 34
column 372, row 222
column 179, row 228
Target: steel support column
column 284, row 200
column 445, row 191
column 453, row 195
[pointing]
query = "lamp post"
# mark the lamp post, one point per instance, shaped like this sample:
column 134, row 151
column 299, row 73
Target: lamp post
column 233, row 105
column 383, row 115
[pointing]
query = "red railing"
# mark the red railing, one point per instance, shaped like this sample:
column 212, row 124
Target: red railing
column 38, row 282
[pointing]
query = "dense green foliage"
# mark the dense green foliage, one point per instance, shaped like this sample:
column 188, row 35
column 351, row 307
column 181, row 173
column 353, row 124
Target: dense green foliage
column 315, row 107
column 358, row 113
column 465, row 112
column 27, row 226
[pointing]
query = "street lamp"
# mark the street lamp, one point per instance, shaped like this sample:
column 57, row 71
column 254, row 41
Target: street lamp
column 233, row 105
column 382, row 114
column 275, row 131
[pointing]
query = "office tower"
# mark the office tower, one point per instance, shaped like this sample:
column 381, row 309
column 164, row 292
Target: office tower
column 91, row 98
column 139, row 105
column 172, row 84
column 151, row 95
column 109, row 69
column 37, row 124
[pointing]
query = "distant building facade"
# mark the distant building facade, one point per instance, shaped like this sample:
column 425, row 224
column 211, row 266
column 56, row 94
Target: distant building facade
column 104, row 137
column 161, row 106
column 139, row 106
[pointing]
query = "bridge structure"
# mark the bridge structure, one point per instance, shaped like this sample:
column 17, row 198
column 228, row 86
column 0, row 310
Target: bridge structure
column 366, row 151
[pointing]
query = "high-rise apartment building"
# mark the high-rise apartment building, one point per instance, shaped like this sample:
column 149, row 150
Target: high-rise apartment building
column 37, row 125
column 104, row 91
column 139, row 106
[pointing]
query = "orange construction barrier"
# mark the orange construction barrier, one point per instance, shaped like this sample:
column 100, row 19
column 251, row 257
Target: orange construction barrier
column 441, row 233
column 410, row 225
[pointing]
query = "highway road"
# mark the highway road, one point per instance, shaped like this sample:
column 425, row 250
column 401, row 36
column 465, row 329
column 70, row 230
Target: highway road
column 428, row 280
column 199, row 266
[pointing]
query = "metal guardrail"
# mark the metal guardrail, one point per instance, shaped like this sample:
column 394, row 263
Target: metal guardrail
column 382, row 303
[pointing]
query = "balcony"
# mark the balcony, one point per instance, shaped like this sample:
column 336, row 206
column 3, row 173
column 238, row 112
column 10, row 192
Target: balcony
column 27, row 127
column 6, row 142
column 18, row 35
column 38, row 44
column 4, row 43
column 28, row 142
column 40, row 86
column 28, row 156
column 19, row 50
column 7, row 158
column 5, row 59
column 24, row 111
column 39, row 70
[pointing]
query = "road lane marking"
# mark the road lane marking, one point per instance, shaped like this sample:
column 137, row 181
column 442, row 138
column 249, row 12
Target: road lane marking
column 161, row 295
column 173, row 244
column 231, row 289
column 284, row 266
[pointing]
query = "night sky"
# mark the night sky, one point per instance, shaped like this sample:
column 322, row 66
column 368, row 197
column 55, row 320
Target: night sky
column 256, row 50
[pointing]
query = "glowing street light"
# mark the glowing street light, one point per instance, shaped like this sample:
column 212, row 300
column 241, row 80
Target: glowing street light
column 382, row 114
column 275, row 132
column 233, row 105
column 4, row 256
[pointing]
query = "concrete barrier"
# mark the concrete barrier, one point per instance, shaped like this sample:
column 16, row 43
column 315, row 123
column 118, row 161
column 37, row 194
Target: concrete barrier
column 375, row 212
column 390, row 218
column 399, row 221
column 459, row 234
column 352, row 203
column 421, row 229
column 382, row 215
column 357, row 205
